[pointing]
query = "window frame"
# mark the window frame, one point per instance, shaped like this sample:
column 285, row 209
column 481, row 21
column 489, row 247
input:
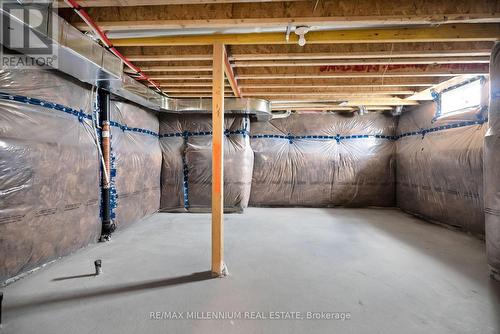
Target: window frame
column 438, row 97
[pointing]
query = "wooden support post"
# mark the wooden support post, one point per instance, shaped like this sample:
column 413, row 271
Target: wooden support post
column 218, row 267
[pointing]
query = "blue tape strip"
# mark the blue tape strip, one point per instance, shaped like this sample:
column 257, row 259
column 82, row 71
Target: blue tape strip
column 82, row 115
column 124, row 128
column 243, row 132
column 77, row 113
column 113, row 194
column 185, row 172
column 46, row 104
column 339, row 138
column 424, row 131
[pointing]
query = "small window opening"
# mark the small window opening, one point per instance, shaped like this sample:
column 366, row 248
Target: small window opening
column 461, row 98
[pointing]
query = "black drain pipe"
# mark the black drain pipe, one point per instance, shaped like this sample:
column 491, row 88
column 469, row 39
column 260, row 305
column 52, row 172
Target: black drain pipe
column 108, row 226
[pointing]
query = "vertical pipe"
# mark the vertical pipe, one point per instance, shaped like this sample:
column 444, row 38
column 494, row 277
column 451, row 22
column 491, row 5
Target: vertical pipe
column 218, row 268
column 107, row 225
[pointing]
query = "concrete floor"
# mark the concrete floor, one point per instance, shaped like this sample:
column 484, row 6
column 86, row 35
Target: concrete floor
column 393, row 273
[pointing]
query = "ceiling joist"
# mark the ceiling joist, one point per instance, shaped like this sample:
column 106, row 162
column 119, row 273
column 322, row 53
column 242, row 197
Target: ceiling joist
column 196, row 14
column 443, row 33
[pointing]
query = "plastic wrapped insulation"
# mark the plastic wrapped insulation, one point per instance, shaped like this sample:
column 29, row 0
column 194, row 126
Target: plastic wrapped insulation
column 440, row 169
column 324, row 159
column 135, row 163
column 186, row 181
column 492, row 168
column 49, row 169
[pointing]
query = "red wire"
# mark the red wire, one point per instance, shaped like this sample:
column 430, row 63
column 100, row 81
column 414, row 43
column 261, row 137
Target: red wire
column 83, row 14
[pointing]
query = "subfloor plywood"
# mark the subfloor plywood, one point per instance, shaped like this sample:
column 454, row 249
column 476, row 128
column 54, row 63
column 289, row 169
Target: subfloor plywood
column 392, row 272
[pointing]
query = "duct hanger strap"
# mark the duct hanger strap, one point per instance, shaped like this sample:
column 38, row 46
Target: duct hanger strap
column 46, row 104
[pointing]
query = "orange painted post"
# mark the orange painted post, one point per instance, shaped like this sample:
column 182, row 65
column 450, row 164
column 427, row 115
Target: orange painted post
column 218, row 267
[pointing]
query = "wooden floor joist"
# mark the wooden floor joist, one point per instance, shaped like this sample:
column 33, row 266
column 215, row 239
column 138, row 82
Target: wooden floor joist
column 347, row 62
column 311, row 52
column 196, row 14
column 228, row 70
column 443, row 33
column 359, row 51
column 292, row 100
column 312, row 63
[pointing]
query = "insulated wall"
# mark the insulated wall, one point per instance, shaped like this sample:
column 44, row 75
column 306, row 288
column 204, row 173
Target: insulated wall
column 324, row 159
column 136, row 162
column 186, row 143
column 49, row 171
column 492, row 167
column 440, row 167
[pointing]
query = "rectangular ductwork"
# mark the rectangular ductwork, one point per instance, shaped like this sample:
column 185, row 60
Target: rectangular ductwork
column 79, row 56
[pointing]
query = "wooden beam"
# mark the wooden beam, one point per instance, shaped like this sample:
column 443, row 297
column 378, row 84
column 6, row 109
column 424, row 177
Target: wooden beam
column 341, row 82
column 365, row 71
column 176, row 68
column 443, row 33
column 347, row 22
column 292, row 100
column 323, row 86
column 353, row 100
column 347, row 62
column 426, row 93
column 329, row 108
column 187, row 91
column 315, row 56
column 188, row 84
column 312, row 51
column 312, row 63
column 181, row 77
column 338, row 13
column 218, row 161
column 196, row 95
column 179, row 57
column 338, row 90
column 130, row 3
column 230, row 75
column 359, row 55
column 359, row 93
column 198, row 14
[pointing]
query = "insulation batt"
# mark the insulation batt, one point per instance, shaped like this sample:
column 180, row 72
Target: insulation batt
column 492, row 167
column 440, row 174
column 49, row 172
column 189, row 158
column 324, row 172
column 137, row 158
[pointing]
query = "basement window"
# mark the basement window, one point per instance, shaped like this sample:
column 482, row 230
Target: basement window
column 461, row 98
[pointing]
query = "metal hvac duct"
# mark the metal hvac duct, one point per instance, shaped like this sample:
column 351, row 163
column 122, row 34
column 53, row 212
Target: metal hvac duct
column 82, row 58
